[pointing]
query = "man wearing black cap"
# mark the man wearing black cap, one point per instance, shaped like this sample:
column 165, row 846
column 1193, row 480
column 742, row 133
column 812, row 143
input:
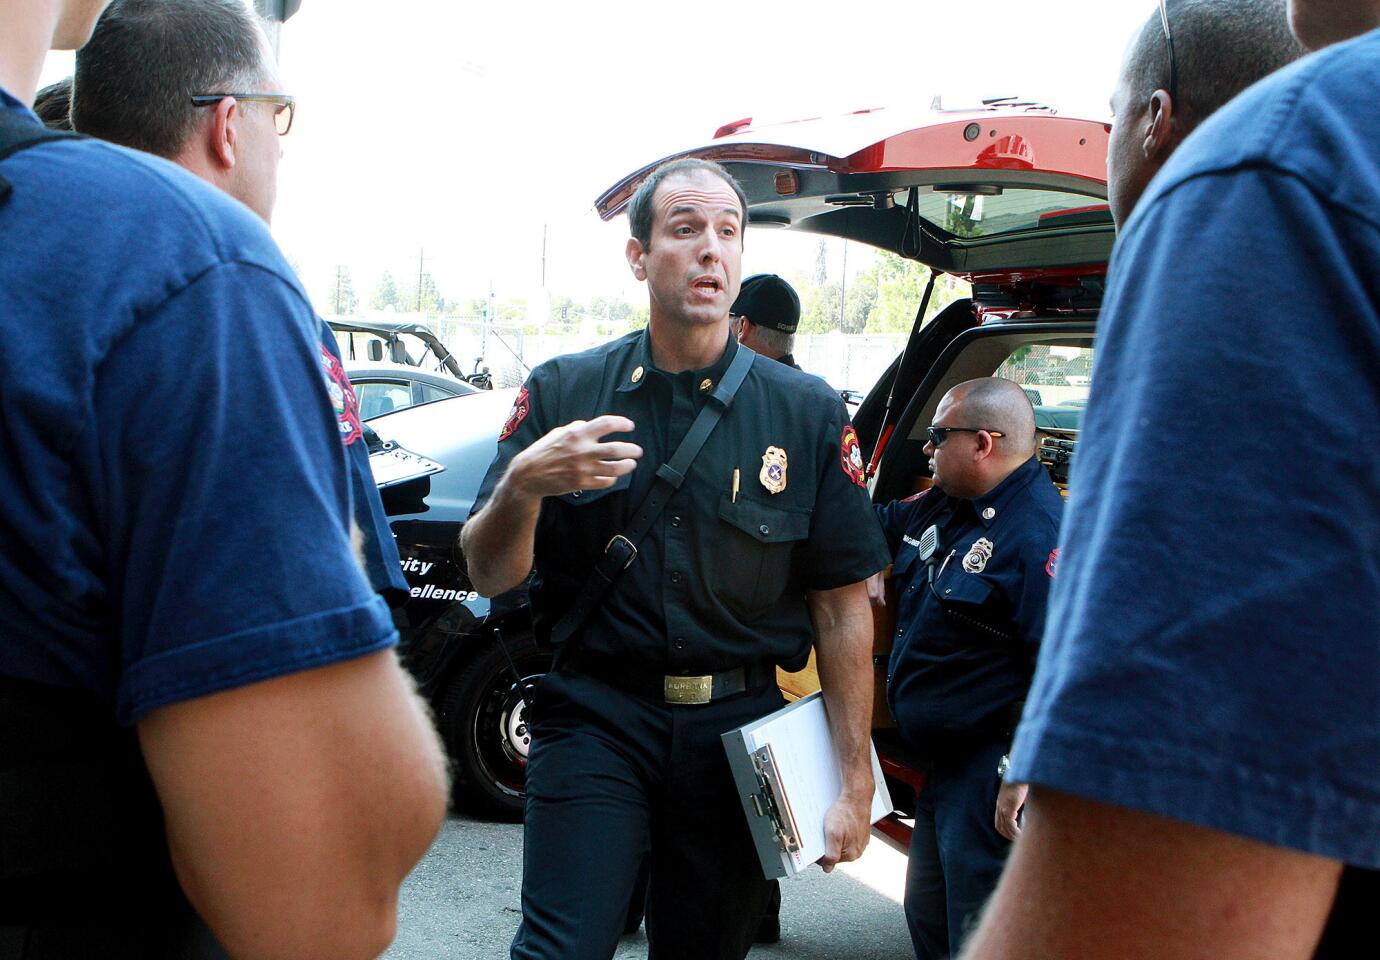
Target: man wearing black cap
column 765, row 316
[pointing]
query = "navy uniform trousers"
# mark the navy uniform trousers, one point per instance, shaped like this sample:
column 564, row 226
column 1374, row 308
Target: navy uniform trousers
column 956, row 854
column 612, row 777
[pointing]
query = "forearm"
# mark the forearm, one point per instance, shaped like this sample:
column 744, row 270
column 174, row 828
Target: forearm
column 843, row 650
column 296, row 806
column 497, row 542
column 1090, row 881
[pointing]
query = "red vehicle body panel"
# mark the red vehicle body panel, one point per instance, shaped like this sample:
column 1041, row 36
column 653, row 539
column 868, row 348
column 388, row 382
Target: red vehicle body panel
column 879, row 141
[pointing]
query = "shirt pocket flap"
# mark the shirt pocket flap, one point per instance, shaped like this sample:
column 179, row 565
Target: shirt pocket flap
column 763, row 523
column 581, row 498
column 964, row 587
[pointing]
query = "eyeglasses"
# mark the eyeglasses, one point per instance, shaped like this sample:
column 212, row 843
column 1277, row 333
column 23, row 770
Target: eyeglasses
column 939, row 434
column 282, row 117
column 1169, row 48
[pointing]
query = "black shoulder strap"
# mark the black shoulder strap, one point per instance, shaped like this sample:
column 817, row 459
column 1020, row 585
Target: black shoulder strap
column 18, row 132
column 621, row 551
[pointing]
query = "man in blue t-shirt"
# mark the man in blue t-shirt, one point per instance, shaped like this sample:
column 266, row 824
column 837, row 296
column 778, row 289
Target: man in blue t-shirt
column 972, row 562
column 118, row 99
column 1202, row 732
column 194, row 671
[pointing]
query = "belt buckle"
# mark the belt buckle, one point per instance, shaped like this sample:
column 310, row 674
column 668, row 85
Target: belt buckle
column 688, row 690
column 632, row 549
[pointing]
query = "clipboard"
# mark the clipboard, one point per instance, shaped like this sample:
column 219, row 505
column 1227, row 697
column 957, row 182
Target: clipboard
column 392, row 465
column 788, row 775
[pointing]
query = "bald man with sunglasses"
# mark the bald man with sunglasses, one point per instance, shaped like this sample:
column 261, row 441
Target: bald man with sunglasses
column 972, row 561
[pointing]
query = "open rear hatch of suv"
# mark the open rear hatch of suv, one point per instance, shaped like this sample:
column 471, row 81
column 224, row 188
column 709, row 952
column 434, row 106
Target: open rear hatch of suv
column 1004, row 193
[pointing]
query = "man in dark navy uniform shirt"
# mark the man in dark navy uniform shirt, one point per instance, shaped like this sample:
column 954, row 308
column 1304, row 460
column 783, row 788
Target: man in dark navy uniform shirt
column 765, row 317
column 970, row 610
column 761, row 554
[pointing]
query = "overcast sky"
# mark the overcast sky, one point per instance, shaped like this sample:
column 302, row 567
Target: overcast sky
column 462, row 129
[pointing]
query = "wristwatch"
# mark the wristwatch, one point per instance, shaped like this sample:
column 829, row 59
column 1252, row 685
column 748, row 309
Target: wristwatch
column 1003, row 765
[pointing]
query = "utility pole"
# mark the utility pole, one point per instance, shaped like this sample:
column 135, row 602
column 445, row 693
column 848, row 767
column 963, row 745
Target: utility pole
column 339, row 270
column 843, row 286
column 421, row 259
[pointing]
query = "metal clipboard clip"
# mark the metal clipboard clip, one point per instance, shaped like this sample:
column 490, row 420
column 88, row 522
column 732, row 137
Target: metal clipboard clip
column 771, row 802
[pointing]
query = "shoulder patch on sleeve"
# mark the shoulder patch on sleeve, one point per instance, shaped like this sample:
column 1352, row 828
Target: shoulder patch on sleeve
column 520, row 407
column 342, row 397
column 850, row 455
column 1052, row 564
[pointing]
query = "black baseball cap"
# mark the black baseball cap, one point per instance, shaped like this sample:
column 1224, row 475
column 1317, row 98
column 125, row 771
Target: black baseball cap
column 768, row 301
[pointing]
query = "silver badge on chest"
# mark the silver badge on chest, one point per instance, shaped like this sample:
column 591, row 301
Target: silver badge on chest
column 975, row 560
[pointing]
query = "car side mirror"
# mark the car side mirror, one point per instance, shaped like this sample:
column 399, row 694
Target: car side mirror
column 375, row 350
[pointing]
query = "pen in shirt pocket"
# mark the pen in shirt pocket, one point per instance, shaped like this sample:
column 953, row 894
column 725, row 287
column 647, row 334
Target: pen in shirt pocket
column 945, row 564
column 735, row 485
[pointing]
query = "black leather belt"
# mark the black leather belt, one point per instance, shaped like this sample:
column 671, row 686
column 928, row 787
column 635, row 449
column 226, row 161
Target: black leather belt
column 650, row 683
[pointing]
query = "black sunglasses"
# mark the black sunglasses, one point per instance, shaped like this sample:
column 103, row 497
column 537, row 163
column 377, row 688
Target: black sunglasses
column 1169, row 48
column 282, row 117
column 939, row 434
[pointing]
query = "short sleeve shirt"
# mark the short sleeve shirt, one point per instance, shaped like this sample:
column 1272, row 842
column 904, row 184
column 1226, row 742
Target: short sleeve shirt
column 773, row 507
column 379, row 548
column 1213, row 648
column 176, row 502
column 968, row 631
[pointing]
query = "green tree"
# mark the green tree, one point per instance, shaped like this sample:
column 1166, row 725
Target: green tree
column 566, row 314
column 900, row 288
column 422, row 297
column 819, row 308
column 341, row 295
column 511, row 312
column 859, row 302
column 385, row 294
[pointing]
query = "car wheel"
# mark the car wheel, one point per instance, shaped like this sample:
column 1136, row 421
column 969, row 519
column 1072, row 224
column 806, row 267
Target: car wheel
column 483, row 720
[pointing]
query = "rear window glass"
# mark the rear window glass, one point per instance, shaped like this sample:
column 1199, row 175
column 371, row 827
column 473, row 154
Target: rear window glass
column 1056, row 379
column 975, row 215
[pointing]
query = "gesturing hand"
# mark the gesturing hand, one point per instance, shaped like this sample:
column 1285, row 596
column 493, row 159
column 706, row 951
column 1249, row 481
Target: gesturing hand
column 574, row 457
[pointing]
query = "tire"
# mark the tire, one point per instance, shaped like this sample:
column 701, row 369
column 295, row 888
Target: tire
column 483, row 723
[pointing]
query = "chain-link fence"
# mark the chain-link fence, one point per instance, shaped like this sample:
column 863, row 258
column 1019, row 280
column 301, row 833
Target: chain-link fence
column 846, row 362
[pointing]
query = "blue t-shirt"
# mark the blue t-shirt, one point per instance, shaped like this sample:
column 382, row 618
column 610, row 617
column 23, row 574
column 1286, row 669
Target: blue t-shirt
column 967, row 636
column 174, row 497
column 1213, row 648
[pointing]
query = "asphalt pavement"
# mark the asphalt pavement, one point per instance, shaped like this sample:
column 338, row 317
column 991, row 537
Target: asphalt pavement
column 462, row 903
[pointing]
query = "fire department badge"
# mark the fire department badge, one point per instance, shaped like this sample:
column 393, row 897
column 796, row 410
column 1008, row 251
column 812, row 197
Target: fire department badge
column 850, row 455
column 342, row 397
column 520, row 408
column 975, row 560
column 773, row 475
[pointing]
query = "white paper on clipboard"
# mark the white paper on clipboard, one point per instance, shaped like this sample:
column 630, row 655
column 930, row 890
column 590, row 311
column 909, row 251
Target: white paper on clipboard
column 807, row 780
